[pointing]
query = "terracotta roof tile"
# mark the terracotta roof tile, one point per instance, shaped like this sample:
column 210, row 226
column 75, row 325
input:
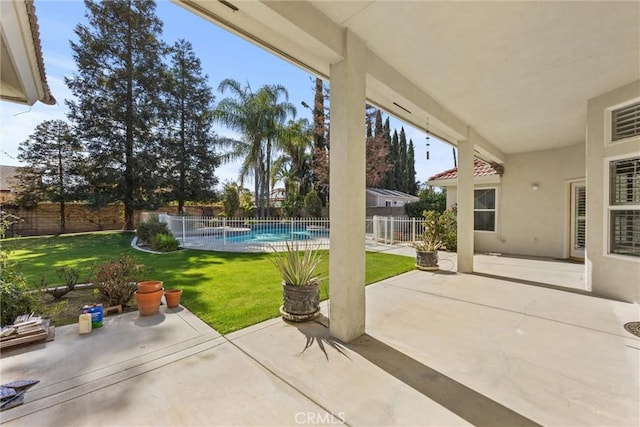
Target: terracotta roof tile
column 47, row 98
column 480, row 168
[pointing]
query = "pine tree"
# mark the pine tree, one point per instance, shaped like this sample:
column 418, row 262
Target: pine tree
column 52, row 156
column 116, row 90
column 189, row 161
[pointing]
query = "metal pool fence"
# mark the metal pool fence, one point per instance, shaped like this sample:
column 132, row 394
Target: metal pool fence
column 273, row 234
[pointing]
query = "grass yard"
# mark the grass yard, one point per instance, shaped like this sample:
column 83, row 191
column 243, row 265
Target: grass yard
column 227, row 290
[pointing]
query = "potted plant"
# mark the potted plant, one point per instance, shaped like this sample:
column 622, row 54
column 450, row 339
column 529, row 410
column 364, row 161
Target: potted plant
column 300, row 281
column 434, row 228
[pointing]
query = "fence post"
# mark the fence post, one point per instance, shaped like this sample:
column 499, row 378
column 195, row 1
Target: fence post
column 183, row 232
column 224, row 230
column 375, row 229
column 413, row 229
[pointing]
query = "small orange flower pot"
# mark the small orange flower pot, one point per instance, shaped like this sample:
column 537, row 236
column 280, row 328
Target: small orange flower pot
column 173, row 297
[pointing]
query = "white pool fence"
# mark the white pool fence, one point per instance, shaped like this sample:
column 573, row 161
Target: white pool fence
column 272, row 234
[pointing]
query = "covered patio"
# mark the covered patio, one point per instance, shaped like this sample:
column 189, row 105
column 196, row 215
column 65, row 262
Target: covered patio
column 532, row 87
column 440, row 349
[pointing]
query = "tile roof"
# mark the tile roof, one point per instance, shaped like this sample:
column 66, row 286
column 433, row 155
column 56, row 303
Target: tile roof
column 47, row 98
column 480, row 168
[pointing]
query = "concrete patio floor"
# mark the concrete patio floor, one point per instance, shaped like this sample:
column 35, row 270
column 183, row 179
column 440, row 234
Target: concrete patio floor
column 440, row 349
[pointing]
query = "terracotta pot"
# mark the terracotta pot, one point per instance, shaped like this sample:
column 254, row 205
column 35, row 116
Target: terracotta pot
column 148, row 302
column 300, row 303
column 149, row 286
column 427, row 261
column 173, row 297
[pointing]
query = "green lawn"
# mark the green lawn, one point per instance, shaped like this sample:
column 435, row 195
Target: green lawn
column 227, row 290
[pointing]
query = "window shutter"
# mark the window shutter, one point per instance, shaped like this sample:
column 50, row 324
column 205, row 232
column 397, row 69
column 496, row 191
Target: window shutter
column 625, row 122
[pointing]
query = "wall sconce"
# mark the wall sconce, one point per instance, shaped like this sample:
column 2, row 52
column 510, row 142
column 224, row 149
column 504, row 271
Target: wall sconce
column 534, row 186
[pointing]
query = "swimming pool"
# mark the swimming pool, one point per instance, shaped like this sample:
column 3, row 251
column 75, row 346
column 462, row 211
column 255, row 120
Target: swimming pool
column 273, row 234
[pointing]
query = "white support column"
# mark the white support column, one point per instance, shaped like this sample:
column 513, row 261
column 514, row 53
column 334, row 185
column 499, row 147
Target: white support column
column 347, row 192
column 465, row 206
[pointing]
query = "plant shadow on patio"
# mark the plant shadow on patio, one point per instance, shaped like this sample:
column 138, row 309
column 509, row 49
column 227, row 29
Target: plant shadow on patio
column 474, row 407
column 317, row 332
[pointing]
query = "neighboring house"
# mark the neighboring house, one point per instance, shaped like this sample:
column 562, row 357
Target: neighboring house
column 22, row 72
column 379, row 197
column 278, row 195
column 7, row 191
column 536, row 206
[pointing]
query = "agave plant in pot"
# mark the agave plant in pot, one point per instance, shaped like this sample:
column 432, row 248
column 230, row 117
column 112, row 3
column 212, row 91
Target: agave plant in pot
column 298, row 268
column 431, row 239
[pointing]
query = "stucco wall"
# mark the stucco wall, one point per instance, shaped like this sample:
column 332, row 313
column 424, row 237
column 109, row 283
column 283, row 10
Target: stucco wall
column 613, row 276
column 532, row 222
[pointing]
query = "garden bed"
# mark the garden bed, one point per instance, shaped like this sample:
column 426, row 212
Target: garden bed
column 66, row 310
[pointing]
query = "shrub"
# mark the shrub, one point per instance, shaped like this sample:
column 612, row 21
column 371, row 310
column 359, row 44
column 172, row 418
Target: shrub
column 116, row 279
column 15, row 296
column 450, row 235
column 230, row 199
column 313, row 204
column 430, row 200
column 70, row 276
column 148, row 229
column 164, row 243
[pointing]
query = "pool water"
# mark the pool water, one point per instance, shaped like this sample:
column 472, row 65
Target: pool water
column 270, row 235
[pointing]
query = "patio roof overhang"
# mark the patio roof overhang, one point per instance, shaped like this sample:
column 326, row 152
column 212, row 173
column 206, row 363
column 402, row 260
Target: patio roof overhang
column 518, row 74
column 22, row 72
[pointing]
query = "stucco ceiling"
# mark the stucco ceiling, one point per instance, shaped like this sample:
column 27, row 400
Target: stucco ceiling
column 519, row 73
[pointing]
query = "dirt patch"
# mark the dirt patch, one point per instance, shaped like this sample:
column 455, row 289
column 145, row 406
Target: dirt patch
column 66, row 310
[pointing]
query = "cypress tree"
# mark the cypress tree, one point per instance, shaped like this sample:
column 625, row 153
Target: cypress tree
column 412, row 186
column 402, row 162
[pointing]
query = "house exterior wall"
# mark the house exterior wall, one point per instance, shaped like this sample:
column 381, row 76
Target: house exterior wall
column 614, row 276
column 374, row 200
column 532, row 222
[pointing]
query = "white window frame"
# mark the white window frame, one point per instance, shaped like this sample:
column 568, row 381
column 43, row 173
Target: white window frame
column 608, row 125
column 608, row 208
column 494, row 210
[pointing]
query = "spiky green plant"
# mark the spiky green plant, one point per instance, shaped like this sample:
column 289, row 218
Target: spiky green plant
column 298, row 266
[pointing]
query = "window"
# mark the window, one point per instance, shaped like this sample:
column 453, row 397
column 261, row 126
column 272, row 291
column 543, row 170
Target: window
column 484, row 209
column 624, row 206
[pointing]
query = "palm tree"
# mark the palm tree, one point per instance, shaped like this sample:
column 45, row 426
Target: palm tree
column 258, row 117
column 296, row 142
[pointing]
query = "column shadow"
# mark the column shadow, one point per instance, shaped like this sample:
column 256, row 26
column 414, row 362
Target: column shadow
column 465, row 402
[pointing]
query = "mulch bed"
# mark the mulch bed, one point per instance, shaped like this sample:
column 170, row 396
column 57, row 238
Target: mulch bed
column 66, row 310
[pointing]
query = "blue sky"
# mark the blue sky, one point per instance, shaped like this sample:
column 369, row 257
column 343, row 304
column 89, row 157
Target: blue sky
column 223, row 55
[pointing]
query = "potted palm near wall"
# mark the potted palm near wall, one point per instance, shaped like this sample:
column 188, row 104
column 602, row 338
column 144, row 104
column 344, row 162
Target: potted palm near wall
column 298, row 268
column 431, row 239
